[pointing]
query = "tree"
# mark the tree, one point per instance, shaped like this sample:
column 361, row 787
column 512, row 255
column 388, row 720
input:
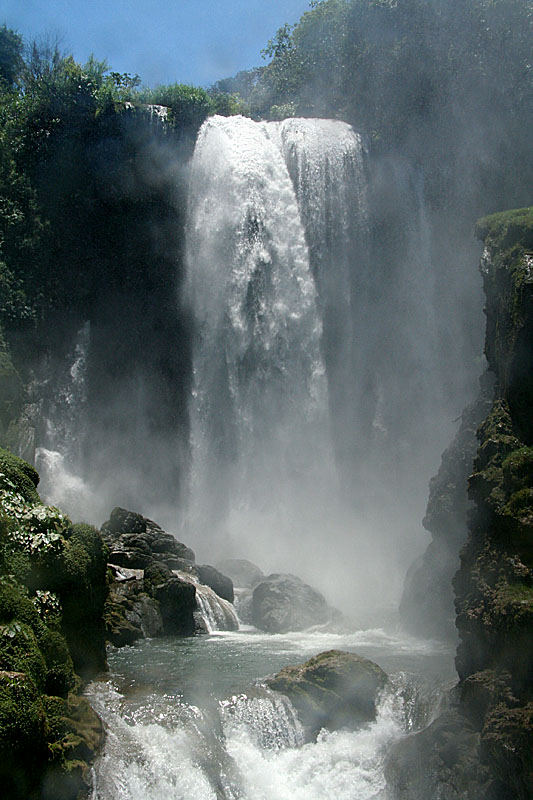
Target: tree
column 11, row 61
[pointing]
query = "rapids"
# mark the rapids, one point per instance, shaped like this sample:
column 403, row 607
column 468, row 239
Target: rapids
column 187, row 718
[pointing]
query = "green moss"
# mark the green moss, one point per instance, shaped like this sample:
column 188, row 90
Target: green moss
column 518, row 470
column 15, row 604
column 515, row 594
column 60, row 677
column 520, row 503
column 21, row 474
column 20, row 652
column 22, row 717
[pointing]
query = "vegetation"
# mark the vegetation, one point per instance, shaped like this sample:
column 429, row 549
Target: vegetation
column 52, row 593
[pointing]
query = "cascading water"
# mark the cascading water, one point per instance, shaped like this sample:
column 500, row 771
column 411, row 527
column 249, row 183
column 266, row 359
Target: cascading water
column 262, row 247
column 187, row 719
column 59, row 455
column 217, row 614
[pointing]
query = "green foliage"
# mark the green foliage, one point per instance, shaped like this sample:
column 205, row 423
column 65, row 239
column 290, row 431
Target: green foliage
column 447, row 84
column 20, row 652
column 518, row 470
column 17, row 476
column 22, row 718
column 508, row 228
column 227, row 104
column 189, row 105
column 11, row 61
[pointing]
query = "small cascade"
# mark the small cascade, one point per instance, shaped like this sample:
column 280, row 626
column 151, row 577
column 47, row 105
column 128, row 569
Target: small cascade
column 217, row 614
column 268, row 717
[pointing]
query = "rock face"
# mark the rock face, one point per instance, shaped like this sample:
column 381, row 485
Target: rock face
column 332, row 690
column 493, row 702
column 446, row 520
column 442, row 761
column 282, row 603
column 242, row 572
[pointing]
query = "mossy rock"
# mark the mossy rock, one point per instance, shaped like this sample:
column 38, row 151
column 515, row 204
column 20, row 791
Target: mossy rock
column 156, row 574
column 20, row 473
column 60, row 677
column 119, row 630
column 507, row 228
column 332, row 690
column 22, row 715
column 77, row 573
column 20, row 652
column 75, row 736
column 15, row 604
column 507, row 741
column 518, row 470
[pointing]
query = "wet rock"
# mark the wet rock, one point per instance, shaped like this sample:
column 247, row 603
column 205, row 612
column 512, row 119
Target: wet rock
column 282, row 603
column 177, row 602
column 130, row 614
column 242, row 572
column 219, row 583
column 442, row 761
column 332, row 690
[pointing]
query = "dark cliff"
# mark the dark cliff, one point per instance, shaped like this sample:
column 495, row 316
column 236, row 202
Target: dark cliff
column 482, row 745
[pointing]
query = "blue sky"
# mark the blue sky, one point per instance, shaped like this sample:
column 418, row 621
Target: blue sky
column 188, row 41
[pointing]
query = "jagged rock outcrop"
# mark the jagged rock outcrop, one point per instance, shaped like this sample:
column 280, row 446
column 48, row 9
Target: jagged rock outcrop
column 492, row 705
column 332, row 690
column 135, row 541
column 282, row 603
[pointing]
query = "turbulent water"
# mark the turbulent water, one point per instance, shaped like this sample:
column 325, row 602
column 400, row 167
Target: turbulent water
column 188, row 719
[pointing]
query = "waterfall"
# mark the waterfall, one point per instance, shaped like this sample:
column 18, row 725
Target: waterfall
column 259, row 288
column 326, row 160
column 59, row 454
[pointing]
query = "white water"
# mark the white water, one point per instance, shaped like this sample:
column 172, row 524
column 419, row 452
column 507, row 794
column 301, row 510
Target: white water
column 218, row 614
column 271, row 213
column 180, row 728
column 58, row 458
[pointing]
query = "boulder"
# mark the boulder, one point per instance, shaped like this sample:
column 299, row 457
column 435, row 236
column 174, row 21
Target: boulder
column 332, row 690
column 443, row 760
column 219, row 583
column 282, row 603
column 242, row 572
column 177, row 602
column 135, row 541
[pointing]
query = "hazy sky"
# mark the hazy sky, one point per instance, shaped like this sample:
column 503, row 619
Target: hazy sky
column 188, row 41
